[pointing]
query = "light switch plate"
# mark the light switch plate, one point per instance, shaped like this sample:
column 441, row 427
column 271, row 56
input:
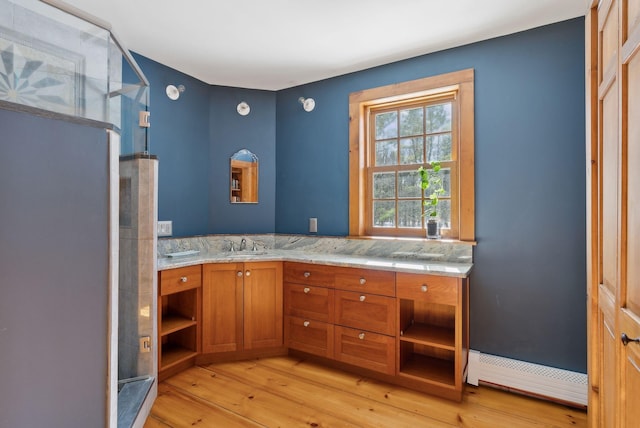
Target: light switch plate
column 165, row 228
column 313, row 225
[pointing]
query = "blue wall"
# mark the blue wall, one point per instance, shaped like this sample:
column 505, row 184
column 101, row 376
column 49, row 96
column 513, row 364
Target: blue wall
column 528, row 298
column 528, row 286
column 194, row 137
column 229, row 133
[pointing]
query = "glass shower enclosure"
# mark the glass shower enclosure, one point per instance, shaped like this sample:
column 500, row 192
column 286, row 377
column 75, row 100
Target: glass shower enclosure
column 56, row 58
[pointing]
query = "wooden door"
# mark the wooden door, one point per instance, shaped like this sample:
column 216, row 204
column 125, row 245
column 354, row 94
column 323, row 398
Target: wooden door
column 263, row 325
column 629, row 295
column 222, row 296
column 613, row 144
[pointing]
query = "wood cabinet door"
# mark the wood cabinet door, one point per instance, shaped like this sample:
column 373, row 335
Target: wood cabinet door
column 222, row 297
column 629, row 300
column 613, row 87
column 263, row 305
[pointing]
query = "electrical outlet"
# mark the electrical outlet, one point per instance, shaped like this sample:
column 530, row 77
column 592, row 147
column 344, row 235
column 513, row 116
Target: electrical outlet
column 165, row 228
column 313, row 225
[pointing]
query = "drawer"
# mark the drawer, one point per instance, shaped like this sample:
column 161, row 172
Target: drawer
column 308, row 301
column 366, row 281
column 313, row 337
column 427, row 288
column 366, row 311
column 180, row 279
column 308, row 274
column 365, row 349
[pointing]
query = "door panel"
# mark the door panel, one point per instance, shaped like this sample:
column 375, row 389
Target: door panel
column 632, row 76
column 263, row 323
column 609, row 174
column 629, row 299
column 222, row 307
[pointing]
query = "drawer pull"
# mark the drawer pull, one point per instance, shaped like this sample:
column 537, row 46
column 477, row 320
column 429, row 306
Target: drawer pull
column 183, row 279
column 239, row 273
column 424, row 288
column 248, row 273
column 306, row 323
column 362, row 298
column 307, row 274
column 361, row 336
column 306, row 290
column 363, row 281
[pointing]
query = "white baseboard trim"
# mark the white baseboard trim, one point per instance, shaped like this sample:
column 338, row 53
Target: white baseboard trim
column 536, row 379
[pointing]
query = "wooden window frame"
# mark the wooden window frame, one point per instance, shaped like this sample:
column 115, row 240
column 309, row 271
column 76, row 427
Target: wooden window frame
column 459, row 82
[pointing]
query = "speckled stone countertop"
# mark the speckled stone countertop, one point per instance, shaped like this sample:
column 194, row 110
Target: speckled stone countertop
column 413, row 257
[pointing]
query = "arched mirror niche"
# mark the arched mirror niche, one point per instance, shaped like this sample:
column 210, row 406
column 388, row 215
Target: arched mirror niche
column 243, row 169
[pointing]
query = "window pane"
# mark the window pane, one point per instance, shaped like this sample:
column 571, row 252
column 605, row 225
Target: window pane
column 439, row 147
column 439, row 118
column 384, row 185
column 443, row 213
column 386, row 125
column 384, row 213
column 409, row 184
column 411, row 151
column 410, row 214
column 386, row 153
column 411, row 122
column 445, row 175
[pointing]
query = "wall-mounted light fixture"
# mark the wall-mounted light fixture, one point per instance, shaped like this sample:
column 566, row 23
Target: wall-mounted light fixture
column 174, row 92
column 243, row 108
column 308, row 104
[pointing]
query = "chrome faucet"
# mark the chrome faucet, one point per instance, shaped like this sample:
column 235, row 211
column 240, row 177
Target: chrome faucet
column 243, row 244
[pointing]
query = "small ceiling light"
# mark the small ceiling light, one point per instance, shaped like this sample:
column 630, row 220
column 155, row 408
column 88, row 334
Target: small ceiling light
column 174, row 92
column 243, row 109
column 308, row 104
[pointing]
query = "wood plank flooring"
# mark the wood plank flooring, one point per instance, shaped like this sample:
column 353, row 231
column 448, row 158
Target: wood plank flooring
column 289, row 392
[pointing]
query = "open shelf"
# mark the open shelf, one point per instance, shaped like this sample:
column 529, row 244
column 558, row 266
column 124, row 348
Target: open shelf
column 174, row 354
column 429, row 369
column 173, row 323
column 425, row 334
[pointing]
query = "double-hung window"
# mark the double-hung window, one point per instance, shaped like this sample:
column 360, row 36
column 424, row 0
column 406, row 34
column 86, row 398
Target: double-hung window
column 394, row 130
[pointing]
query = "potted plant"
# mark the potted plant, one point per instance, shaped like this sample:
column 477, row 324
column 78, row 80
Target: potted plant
column 429, row 178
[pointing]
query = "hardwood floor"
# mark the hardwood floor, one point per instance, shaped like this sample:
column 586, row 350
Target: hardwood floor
column 288, row 392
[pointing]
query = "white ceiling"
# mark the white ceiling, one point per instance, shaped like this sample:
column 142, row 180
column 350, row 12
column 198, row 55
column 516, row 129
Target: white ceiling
column 276, row 44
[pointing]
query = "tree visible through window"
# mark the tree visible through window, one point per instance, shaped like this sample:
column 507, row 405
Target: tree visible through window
column 396, row 134
column 404, row 138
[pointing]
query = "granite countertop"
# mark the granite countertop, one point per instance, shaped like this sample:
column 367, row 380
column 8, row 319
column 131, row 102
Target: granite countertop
column 409, row 265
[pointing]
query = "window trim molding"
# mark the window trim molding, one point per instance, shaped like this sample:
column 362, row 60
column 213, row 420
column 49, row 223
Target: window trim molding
column 461, row 81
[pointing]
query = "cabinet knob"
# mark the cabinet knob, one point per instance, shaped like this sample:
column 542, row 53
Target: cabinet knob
column 424, row 288
column 362, row 298
column 363, row 281
column 248, row 273
column 307, row 274
column 306, row 290
column 626, row 339
column 183, row 279
column 306, row 323
column 361, row 336
column 239, row 273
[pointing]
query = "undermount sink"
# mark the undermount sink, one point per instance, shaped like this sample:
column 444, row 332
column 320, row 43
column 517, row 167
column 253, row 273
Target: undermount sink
column 244, row 254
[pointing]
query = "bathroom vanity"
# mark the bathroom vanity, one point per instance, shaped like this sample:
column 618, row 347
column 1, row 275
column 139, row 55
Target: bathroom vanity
column 400, row 321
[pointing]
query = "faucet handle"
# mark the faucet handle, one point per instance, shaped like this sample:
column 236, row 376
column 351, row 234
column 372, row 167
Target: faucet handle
column 231, row 246
column 254, row 247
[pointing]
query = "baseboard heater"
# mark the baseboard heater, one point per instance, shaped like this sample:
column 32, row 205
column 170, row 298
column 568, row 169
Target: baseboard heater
column 533, row 379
